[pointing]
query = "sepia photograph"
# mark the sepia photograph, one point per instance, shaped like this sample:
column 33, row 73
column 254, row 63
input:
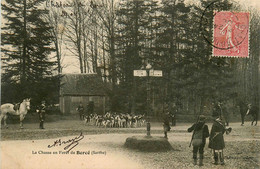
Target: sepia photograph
column 130, row 84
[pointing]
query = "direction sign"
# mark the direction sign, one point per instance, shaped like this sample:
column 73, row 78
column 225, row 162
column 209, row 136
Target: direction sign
column 140, row 73
column 155, row 73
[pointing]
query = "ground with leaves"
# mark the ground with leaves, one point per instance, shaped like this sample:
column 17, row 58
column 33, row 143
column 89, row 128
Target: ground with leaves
column 242, row 145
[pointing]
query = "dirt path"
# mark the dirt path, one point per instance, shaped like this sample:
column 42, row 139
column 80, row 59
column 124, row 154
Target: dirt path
column 242, row 148
column 35, row 154
column 110, row 154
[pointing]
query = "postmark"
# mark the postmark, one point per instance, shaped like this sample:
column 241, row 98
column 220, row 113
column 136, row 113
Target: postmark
column 231, row 34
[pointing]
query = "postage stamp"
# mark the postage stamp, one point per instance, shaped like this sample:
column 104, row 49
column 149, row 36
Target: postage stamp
column 231, row 34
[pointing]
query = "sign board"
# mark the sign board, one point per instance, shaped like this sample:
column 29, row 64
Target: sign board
column 140, row 73
column 155, row 73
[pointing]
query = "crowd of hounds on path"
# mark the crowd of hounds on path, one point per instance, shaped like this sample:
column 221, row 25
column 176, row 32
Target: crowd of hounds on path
column 115, row 120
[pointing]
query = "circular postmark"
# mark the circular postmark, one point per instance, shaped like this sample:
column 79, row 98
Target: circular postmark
column 223, row 29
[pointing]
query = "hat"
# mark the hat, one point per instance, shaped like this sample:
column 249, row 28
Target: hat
column 202, row 118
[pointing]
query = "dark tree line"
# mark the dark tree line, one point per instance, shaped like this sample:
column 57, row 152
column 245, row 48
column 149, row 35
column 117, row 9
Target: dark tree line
column 113, row 38
column 27, row 69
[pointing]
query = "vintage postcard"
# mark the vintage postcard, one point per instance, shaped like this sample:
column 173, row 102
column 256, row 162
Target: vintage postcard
column 130, row 84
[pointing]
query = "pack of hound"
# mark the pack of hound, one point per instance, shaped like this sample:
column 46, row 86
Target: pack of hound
column 115, row 120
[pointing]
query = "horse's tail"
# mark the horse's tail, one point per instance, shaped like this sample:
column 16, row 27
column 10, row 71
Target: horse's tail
column 1, row 110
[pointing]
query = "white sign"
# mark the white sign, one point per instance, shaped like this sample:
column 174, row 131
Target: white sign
column 140, row 73
column 155, row 73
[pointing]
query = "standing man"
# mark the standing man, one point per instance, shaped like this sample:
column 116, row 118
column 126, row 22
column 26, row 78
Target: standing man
column 41, row 113
column 80, row 109
column 198, row 141
column 243, row 109
column 253, row 110
column 166, row 123
column 173, row 115
column 225, row 115
column 216, row 140
column 217, row 110
column 90, row 107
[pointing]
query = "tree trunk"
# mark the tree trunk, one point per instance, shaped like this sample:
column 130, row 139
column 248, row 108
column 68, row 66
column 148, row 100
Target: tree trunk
column 23, row 79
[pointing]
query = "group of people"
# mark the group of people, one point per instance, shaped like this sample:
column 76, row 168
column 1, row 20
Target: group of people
column 219, row 128
column 245, row 109
column 200, row 133
column 216, row 139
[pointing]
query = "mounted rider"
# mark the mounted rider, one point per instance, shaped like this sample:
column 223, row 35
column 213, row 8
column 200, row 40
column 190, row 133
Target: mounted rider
column 254, row 111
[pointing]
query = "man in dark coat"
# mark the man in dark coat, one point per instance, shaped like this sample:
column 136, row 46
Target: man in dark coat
column 225, row 114
column 199, row 126
column 41, row 113
column 253, row 110
column 217, row 110
column 174, row 115
column 80, row 109
column 242, row 108
column 216, row 140
column 90, row 107
column 166, row 123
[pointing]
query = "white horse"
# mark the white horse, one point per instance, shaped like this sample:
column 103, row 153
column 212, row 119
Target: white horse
column 9, row 108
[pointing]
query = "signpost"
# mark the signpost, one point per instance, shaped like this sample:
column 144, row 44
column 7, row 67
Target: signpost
column 140, row 73
column 148, row 73
column 155, row 73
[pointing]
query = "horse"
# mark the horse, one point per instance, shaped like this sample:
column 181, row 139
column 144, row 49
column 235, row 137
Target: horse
column 10, row 108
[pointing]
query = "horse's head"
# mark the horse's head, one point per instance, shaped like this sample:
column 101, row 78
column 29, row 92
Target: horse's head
column 27, row 103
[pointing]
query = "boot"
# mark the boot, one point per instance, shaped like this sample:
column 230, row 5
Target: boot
column 215, row 158
column 221, row 157
column 195, row 161
column 40, row 125
column 165, row 135
column 195, row 158
column 201, row 160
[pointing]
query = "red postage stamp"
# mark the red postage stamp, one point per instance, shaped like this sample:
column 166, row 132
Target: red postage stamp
column 231, row 34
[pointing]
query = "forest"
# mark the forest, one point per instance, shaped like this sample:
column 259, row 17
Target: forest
column 112, row 38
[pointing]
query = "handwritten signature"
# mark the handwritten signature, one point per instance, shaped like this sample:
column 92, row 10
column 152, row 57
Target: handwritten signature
column 72, row 143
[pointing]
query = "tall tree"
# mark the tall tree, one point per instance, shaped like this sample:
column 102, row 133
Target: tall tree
column 133, row 19
column 212, row 76
column 82, row 35
column 58, row 26
column 172, row 46
column 254, row 64
column 106, row 13
column 26, row 46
